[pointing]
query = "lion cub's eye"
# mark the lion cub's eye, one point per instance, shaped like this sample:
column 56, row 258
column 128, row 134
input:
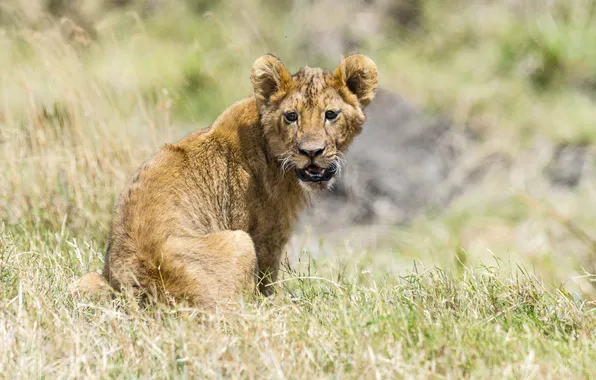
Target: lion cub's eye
column 291, row 117
column 330, row 115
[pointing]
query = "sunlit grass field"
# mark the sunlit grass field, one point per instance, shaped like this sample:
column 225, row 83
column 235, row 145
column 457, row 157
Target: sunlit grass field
column 499, row 284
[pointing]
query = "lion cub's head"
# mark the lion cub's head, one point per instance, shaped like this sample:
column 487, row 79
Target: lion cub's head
column 311, row 117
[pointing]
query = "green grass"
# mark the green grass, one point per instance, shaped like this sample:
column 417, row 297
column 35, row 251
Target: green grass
column 496, row 285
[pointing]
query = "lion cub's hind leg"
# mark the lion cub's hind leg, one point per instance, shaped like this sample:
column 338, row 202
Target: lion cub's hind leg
column 211, row 268
column 91, row 284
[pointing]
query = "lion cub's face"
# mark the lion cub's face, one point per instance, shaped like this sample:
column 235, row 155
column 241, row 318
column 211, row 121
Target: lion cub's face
column 311, row 117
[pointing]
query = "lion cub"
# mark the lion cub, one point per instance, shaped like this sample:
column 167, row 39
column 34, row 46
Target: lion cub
column 208, row 217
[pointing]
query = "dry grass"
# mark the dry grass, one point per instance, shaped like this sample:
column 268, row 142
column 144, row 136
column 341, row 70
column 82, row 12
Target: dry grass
column 354, row 324
column 79, row 114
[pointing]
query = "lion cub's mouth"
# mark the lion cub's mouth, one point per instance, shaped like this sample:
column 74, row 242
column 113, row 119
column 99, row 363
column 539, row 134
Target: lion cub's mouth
column 313, row 173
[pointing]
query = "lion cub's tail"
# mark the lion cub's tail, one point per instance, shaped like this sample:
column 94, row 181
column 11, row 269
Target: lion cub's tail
column 90, row 284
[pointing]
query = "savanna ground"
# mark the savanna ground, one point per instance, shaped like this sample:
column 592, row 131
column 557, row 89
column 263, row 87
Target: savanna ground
column 497, row 285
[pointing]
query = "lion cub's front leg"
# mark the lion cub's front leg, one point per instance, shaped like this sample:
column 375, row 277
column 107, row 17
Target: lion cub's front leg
column 269, row 255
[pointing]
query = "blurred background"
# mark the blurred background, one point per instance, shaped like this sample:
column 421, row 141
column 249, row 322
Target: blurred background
column 479, row 150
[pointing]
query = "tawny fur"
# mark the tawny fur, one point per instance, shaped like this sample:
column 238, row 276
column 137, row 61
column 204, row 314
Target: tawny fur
column 208, row 217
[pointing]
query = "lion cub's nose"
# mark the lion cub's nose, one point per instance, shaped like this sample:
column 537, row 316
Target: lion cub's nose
column 310, row 151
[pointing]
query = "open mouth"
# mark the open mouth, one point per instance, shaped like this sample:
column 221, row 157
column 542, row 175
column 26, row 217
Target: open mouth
column 313, row 173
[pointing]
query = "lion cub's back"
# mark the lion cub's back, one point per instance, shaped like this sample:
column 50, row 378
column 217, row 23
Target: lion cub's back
column 146, row 213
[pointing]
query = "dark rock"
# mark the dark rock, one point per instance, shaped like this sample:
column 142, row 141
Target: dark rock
column 395, row 169
column 566, row 167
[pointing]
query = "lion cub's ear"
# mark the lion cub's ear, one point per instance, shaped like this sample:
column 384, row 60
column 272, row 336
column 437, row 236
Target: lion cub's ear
column 359, row 74
column 268, row 75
